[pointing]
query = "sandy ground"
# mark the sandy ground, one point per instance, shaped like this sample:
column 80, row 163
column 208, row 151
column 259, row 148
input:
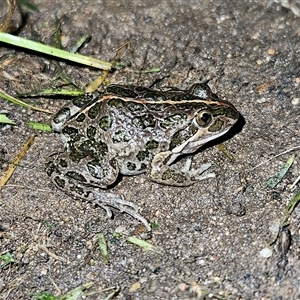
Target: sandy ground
column 209, row 235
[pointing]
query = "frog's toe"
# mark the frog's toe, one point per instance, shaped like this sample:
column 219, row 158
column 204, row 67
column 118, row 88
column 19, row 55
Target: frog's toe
column 204, row 176
column 197, row 174
column 187, row 167
column 108, row 200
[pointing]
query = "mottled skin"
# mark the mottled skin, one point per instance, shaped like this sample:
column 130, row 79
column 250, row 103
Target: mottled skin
column 131, row 130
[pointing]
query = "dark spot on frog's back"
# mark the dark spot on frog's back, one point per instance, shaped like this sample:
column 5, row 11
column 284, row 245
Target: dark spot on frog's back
column 69, row 130
column 105, row 123
column 94, row 110
column 91, row 132
column 82, row 101
column 93, row 148
column 121, row 90
column 64, row 114
column 186, row 106
column 115, row 102
column 135, row 106
column 151, row 145
column 156, row 106
column 144, row 121
column 80, row 118
column 155, row 96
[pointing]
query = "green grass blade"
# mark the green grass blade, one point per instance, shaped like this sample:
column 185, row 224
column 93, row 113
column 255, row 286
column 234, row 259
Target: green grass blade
column 78, row 58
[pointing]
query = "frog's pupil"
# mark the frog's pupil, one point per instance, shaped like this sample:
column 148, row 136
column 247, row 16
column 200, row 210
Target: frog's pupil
column 205, row 117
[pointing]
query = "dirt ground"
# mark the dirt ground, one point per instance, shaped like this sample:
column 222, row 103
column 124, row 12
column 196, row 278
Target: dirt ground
column 209, row 235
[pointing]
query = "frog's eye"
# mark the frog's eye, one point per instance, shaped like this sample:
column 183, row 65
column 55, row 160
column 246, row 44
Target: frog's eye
column 204, row 118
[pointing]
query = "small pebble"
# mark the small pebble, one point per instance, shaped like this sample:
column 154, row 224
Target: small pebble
column 134, row 287
column 271, row 51
column 266, row 253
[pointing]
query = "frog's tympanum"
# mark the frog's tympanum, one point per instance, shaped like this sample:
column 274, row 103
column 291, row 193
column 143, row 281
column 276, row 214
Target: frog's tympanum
column 131, row 130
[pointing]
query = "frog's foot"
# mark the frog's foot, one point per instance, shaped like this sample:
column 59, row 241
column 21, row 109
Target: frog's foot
column 161, row 172
column 108, row 200
column 197, row 173
column 68, row 181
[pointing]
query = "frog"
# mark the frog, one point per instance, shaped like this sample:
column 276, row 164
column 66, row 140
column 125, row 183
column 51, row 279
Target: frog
column 132, row 130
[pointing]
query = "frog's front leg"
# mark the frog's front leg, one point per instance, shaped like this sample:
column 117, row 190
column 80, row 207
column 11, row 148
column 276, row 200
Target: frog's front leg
column 160, row 171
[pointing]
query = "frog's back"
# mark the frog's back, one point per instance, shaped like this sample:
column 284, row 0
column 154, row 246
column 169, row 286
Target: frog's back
column 132, row 124
column 133, row 130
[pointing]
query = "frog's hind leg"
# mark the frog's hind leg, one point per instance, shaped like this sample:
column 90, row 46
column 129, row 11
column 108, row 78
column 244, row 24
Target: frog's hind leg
column 108, row 200
column 86, row 180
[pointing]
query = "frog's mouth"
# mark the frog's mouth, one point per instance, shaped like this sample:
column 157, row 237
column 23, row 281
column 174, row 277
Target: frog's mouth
column 196, row 141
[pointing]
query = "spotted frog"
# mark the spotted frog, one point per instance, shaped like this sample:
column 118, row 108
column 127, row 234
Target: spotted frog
column 131, row 130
